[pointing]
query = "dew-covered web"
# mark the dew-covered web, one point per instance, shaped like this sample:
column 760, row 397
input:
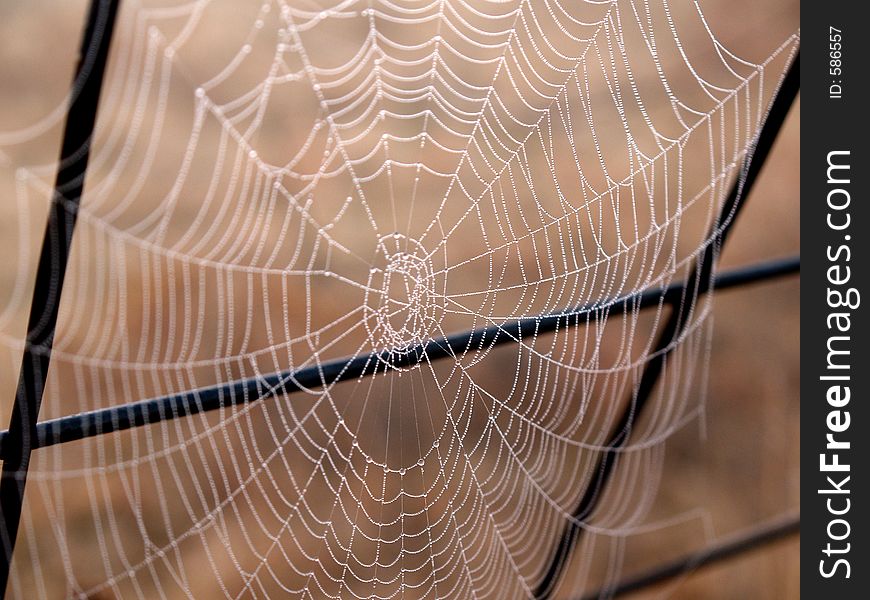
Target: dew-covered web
column 277, row 185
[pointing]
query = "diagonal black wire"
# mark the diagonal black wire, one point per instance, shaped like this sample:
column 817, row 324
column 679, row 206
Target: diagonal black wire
column 25, row 434
column 69, row 184
column 697, row 283
column 757, row 537
column 151, row 411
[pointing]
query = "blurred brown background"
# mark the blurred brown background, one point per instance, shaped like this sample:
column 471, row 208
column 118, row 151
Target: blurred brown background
column 737, row 467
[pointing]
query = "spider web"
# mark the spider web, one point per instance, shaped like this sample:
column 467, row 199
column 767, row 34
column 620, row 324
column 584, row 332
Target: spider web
column 278, row 185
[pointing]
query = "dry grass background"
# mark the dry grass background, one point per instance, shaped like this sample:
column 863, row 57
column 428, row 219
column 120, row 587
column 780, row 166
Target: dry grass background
column 743, row 467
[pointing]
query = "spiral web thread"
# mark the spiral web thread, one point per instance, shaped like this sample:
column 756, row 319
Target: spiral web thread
column 278, row 185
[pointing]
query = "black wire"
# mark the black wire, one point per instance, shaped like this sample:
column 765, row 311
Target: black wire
column 25, row 434
column 756, row 537
column 697, row 283
column 148, row 412
column 69, row 184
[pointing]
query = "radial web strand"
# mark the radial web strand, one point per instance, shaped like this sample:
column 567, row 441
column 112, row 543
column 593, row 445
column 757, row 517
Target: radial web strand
column 274, row 186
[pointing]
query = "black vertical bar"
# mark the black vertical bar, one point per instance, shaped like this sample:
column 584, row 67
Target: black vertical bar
column 697, row 283
column 53, row 258
column 835, row 320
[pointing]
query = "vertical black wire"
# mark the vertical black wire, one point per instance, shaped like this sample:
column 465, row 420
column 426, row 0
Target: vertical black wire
column 697, row 283
column 53, row 258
